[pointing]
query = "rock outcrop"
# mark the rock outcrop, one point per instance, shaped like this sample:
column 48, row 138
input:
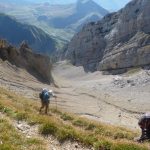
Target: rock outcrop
column 120, row 40
column 36, row 64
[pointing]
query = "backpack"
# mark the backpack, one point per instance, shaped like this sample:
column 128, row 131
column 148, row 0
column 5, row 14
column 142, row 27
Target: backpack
column 45, row 96
column 144, row 122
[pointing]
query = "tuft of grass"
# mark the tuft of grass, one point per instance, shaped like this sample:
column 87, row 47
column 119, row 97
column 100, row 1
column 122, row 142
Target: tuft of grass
column 9, row 112
column 66, row 133
column 89, row 139
column 127, row 146
column 80, row 123
column 65, row 117
column 48, row 129
column 90, row 126
column 21, row 116
column 1, row 108
column 34, row 141
column 103, row 145
column 56, row 111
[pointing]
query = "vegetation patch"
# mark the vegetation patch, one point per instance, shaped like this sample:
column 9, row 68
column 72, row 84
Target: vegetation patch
column 103, row 145
column 10, row 139
column 80, row 123
column 132, row 71
column 65, row 117
column 21, row 116
column 48, row 129
column 62, row 126
column 66, row 133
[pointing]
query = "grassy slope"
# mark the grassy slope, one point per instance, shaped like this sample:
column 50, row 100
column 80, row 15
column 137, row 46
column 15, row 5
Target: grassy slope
column 12, row 140
column 63, row 126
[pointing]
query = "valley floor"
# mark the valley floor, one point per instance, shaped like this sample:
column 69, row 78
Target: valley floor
column 114, row 99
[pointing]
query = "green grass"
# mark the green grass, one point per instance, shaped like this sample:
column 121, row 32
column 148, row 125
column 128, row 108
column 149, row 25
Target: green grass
column 103, row 145
column 66, row 117
column 66, row 126
column 133, row 71
column 66, row 133
column 20, row 116
column 48, row 129
column 80, row 123
column 12, row 140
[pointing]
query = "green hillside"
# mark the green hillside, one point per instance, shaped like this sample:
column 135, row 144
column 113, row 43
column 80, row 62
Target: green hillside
column 62, row 126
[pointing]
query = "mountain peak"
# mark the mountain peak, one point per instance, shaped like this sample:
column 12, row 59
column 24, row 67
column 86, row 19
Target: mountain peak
column 86, row 2
column 90, row 6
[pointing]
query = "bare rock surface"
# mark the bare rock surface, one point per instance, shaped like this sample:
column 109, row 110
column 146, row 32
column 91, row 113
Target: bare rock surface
column 120, row 40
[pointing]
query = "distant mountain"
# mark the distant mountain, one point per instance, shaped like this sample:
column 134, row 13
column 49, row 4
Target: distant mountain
column 111, row 5
column 59, row 21
column 16, row 32
column 82, row 12
column 119, row 41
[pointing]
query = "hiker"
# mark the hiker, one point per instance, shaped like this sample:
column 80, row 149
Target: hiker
column 45, row 96
column 144, row 124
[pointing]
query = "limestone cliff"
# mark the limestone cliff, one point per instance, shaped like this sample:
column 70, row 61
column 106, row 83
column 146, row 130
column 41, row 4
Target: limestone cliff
column 119, row 40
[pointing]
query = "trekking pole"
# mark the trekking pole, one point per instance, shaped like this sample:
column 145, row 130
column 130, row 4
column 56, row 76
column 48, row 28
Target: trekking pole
column 56, row 102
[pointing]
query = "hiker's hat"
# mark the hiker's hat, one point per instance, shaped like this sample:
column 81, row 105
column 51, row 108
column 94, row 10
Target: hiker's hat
column 50, row 91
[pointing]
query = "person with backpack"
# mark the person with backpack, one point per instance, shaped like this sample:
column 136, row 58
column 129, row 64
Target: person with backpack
column 45, row 96
column 144, row 123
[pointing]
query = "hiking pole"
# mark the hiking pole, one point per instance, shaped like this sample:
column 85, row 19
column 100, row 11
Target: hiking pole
column 56, row 102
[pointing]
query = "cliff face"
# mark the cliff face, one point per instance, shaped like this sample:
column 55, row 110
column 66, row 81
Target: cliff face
column 37, row 64
column 129, row 42
column 119, row 40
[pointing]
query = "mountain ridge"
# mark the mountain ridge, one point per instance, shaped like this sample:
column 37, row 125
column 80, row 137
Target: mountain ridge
column 79, row 11
column 16, row 32
column 59, row 21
